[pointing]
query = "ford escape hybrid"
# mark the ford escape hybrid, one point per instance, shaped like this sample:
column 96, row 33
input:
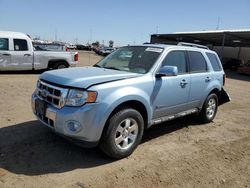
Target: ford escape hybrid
column 133, row 88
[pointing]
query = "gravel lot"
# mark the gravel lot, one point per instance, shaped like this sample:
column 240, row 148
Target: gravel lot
column 180, row 153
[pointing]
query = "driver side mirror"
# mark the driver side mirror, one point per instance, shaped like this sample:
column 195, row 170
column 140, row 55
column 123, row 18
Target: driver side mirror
column 167, row 71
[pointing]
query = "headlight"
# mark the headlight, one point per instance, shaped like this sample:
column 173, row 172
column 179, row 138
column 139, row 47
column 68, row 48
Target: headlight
column 37, row 86
column 78, row 97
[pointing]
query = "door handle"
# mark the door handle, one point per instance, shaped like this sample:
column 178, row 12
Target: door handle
column 183, row 83
column 208, row 79
column 5, row 54
column 27, row 55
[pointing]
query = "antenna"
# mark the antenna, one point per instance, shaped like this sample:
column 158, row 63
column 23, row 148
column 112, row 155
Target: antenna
column 218, row 23
column 90, row 43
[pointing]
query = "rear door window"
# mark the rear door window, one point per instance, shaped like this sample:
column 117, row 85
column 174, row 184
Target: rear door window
column 4, row 44
column 20, row 45
column 214, row 61
column 197, row 62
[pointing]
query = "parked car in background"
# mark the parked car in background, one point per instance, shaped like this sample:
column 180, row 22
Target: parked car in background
column 95, row 49
column 231, row 63
column 71, row 47
column 135, row 87
column 244, row 69
column 83, row 47
column 18, row 53
column 106, row 51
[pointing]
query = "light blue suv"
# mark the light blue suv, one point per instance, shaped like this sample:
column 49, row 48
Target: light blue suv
column 133, row 88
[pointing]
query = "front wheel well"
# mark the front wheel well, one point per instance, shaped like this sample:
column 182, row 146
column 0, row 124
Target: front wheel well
column 137, row 105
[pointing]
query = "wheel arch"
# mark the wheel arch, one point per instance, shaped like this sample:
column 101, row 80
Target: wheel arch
column 215, row 91
column 134, row 104
column 52, row 62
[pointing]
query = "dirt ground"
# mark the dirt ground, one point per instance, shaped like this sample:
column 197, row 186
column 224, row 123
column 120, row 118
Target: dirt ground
column 180, row 153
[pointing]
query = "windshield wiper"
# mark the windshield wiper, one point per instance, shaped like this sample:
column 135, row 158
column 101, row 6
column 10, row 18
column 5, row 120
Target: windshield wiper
column 96, row 65
column 114, row 68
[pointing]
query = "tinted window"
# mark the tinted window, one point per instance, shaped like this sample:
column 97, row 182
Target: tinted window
column 197, row 62
column 20, row 45
column 4, row 44
column 214, row 61
column 176, row 58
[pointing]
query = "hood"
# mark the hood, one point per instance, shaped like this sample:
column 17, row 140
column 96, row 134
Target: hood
column 84, row 77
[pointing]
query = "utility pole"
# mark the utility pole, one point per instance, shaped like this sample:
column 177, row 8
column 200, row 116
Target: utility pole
column 157, row 29
column 218, row 23
column 56, row 35
column 90, row 36
column 76, row 40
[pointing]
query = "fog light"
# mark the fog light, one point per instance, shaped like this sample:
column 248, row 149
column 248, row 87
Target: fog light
column 73, row 126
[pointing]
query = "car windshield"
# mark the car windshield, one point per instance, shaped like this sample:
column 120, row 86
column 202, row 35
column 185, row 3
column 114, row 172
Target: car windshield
column 137, row 59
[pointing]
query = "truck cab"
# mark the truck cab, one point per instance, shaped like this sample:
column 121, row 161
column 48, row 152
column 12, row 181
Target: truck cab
column 16, row 50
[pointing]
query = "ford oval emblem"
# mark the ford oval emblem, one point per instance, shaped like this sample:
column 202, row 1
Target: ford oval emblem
column 44, row 93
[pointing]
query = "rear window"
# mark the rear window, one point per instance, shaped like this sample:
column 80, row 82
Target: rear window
column 214, row 61
column 20, row 45
column 4, row 44
column 197, row 62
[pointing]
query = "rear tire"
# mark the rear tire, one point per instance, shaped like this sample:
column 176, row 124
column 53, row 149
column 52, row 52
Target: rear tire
column 123, row 134
column 209, row 108
column 60, row 65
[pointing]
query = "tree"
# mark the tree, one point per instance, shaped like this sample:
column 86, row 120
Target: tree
column 97, row 44
column 111, row 44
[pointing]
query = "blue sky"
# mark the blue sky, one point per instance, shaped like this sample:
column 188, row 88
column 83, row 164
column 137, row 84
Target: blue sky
column 125, row 22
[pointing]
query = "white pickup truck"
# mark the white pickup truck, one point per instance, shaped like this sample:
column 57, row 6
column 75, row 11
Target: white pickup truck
column 17, row 53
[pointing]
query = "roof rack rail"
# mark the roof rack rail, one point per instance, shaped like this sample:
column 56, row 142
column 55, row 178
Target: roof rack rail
column 192, row 45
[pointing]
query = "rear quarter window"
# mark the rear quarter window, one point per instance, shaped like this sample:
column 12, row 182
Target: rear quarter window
column 197, row 62
column 214, row 61
column 4, row 44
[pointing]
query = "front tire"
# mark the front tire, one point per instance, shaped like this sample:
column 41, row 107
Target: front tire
column 209, row 108
column 123, row 134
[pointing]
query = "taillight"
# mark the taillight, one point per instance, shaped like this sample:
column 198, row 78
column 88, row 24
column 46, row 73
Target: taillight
column 224, row 79
column 76, row 57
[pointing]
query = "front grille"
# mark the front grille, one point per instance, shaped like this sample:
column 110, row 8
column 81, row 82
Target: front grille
column 51, row 94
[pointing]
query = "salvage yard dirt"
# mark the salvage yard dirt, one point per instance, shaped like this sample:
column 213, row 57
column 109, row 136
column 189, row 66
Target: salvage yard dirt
column 180, row 153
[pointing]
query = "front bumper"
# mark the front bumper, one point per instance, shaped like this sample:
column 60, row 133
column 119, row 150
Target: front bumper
column 57, row 119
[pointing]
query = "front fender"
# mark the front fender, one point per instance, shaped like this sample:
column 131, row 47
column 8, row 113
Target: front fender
column 119, row 96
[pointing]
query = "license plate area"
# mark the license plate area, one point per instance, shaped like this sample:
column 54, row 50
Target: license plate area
column 40, row 107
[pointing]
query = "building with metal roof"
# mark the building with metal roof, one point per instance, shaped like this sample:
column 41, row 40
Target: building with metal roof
column 215, row 38
column 227, row 43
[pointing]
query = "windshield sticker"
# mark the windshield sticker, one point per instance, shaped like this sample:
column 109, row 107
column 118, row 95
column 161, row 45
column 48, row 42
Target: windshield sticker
column 150, row 49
